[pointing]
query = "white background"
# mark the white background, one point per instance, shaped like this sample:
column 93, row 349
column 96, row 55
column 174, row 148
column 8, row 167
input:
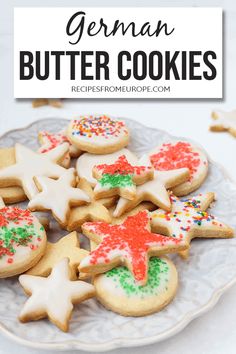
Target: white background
column 215, row 332
column 44, row 29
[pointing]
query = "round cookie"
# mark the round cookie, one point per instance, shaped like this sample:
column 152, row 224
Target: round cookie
column 174, row 155
column 98, row 134
column 22, row 241
column 86, row 162
column 118, row 292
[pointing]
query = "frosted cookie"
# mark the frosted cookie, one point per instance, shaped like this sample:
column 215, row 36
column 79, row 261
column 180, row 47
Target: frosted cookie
column 188, row 219
column 118, row 291
column 130, row 243
column 29, row 164
column 98, row 134
column 180, row 154
column 154, row 191
column 49, row 141
column 53, row 297
column 10, row 194
column 22, row 241
column 68, row 246
column 120, row 178
column 224, row 121
column 142, row 206
column 96, row 210
column 86, row 162
column 58, row 196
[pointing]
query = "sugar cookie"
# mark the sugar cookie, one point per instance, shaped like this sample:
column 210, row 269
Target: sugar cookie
column 180, row 154
column 120, row 178
column 54, row 296
column 22, row 241
column 68, row 246
column 10, row 194
column 118, row 291
column 130, row 244
column 58, row 196
column 224, row 121
column 86, row 162
column 188, row 219
column 49, row 141
column 29, row 164
column 98, row 134
column 142, row 206
column 96, row 210
column 154, row 191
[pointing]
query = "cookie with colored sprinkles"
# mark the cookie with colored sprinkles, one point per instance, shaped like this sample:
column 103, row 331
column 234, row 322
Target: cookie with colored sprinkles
column 22, row 241
column 130, row 243
column 118, row 291
column 189, row 219
column 181, row 154
column 120, row 178
column 98, row 134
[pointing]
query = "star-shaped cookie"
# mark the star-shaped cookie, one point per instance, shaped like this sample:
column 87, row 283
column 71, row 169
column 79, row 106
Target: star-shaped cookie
column 29, row 164
column 120, row 178
column 154, row 191
column 68, row 246
column 96, row 210
column 58, row 195
column 49, row 141
column 53, row 297
column 130, row 243
column 224, row 121
column 188, row 219
column 2, row 204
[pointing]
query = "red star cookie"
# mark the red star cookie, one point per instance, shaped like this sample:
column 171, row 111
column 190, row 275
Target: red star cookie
column 130, row 243
column 120, row 178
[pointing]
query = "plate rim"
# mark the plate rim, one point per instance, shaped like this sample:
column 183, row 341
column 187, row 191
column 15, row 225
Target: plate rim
column 125, row 342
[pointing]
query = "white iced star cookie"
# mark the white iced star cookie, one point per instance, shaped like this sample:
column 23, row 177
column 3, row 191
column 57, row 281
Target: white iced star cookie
column 2, row 204
column 58, row 196
column 98, row 134
column 30, row 164
column 53, row 297
column 224, row 121
column 188, row 219
column 86, row 162
column 154, row 191
column 181, row 154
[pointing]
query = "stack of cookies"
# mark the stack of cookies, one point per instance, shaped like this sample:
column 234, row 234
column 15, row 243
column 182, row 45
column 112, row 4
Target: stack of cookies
column 128, row 207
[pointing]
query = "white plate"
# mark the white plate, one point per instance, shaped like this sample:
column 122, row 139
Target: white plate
column 210, row 270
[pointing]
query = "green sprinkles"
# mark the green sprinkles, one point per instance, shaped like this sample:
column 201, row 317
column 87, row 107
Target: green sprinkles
column 116, row 180
column 157, row 273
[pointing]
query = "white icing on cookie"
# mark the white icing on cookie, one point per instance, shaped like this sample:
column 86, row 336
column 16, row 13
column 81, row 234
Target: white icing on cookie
column 187, row 217
column 86, row 162
column 20, row 235
column 97, row 130
column 30, row 164
column 225, row 119
column 181, row 154
column 154, row 191
column 53, row 296
column 57, row 195
column 51, row 140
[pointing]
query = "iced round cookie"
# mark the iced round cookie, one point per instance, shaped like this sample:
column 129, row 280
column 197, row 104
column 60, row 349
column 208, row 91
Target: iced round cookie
column 86, row 162
column 22, row 241
column 174, row 155
column 98, row 134
column 118, row 291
